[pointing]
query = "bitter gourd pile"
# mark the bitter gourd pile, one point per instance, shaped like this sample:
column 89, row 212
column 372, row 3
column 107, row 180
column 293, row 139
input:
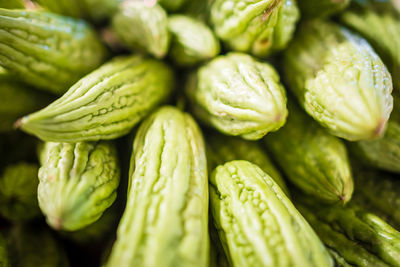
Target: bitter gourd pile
column 196, row 133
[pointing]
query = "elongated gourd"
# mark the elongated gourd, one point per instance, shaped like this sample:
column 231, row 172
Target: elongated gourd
column 165, row 222
column 257, row 223
column 46, row 50
column 78, row 182
column 312, row 159
column 105, row 104
column 239, row 96
column 339, row 80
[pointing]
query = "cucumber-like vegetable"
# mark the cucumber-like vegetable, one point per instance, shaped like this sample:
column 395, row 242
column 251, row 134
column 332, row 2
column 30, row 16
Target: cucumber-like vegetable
column 105, row 104
column 258, row 27
column 257, row 223
column 4, row 261
column 359, row 237
column 47, row 50
column 239, row 95
column 165, row 222
column 142, row 26
column 18, row 192
column 221, row 149
column 78, row 182
column 339, row 80
column 312, row 159
column 321, row 8
column 379, row 23
column 17, row 100
column 191, row 41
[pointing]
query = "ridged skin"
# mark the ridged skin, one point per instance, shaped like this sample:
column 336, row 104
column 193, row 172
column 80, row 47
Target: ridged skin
column 141, row 26
column 18, row 99
column 321, row 8
column 18, row 187
column 4, row 261
column 257, row 223
column 105, row 104
column 95, row 10
column 378, row 192
column 339, row 80
column 47, row 50
column 222, row 149
column 312, row 159
column 192, row 41
column 258, row 27
column 165, row 222
column 359, row 237
column 174, row 5
column 239, row 96
column 380, row 25
column 31, row 246
column 78, row 182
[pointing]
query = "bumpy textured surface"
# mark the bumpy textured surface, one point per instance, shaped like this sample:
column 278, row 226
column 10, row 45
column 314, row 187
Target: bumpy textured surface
column 257, row 223
column 239, row 95
column 221, row 149
column 142, row 26
column 78, row 182
column 191, row 41
column 165, row 222
column 359, row 237
column 17, row 100
column 18, row 187
column 321, row 8
column 380, row 25
column 339, row 80
column 258, row 27
column 105, row 104
column 33, row 247
column 313, row 160
column 46, row 50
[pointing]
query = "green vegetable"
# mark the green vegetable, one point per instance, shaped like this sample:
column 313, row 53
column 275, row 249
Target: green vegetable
column 313, row 160
column 18, row 197
column 32, row 246
column 321, row 8
column 192, row 41
column 259, row 27
column 339, row 80
column 379, row 23
column 4, row 261
column 142, row 26
column 105, row 104
column 10, row 4
column 239, row 95
column 359, row 237
column 78, row 182
column 165, row 222
column 173, row 5
column 17, row 100
column 46, row 50
column 257, row 223
column 222, row 149
column 95, row 10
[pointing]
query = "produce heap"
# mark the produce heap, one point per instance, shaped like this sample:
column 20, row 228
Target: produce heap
column 194, row 133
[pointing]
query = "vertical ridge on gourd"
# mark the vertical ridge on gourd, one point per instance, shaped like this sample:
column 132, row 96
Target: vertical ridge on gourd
column 312, row 159
column 47, row 50
column 105, row 104
column 191, row 40
column 221, row 149
column 142, row 26
column 359, row 237
column 239, row 96
column 165, row 222
column 78, row 182
column 339, row 80
column 379, row 23
column 321, row 8
column 18, row 192
column 258, row 27
column 257, row 223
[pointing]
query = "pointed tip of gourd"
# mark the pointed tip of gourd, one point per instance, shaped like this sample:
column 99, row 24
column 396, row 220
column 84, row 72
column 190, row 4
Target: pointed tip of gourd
column 55, row 222
column 380, row 128
column 18, row 123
